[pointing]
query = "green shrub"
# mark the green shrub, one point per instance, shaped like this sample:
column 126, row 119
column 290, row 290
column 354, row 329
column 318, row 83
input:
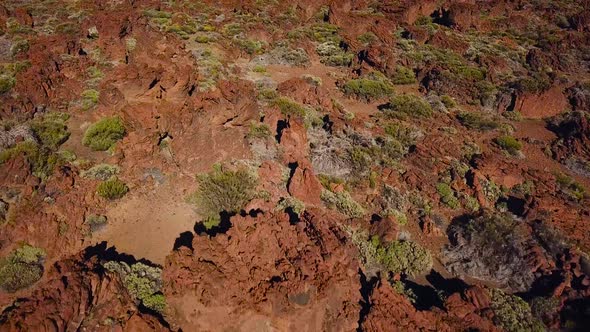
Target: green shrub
column 368, row 88
column 95, row 222
column 404, row 257
column 296, row 205
column 224, row 190
column 21, row 268
column 41, row 159
column 343, row 202
column 570, row 187
column 259, row 131
column 19, row 45
column 112, row 189
column 143, row 283
column 367, row 38
column 447, row 195
column 508, row 143
column 289, row 107
column 403, row 75
column 448, row 101
column 7, row 82
column 103, row 134
column 477, row 121
column 407, row 104
column 331, row 54
column 512, row 313
column 51, row 129
column 89, row 98
column 101, row 172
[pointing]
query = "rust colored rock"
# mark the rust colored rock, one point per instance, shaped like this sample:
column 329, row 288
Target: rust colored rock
column 547, row 104
column 265, row 267
column 77, row 294
column 305, row 186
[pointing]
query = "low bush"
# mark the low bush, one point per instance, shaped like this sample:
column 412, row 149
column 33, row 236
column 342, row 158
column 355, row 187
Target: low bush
column 403, row 75
column 51, row 129
column 101, row 172
column 512, row 313
column 21, row 268
column 7, row 82
column 405, row 257
column 447, row 195
column 508, row 143
column 477, row 121
column 112, row 189
column 343, row 202
column 368, row 88
column 143, row 283
column 103, row 134
column 289, row 107
column 406, row 104
column 89, row 98
column 41, row 159
column 331, row 54
column 259, row 130
column 224, row 191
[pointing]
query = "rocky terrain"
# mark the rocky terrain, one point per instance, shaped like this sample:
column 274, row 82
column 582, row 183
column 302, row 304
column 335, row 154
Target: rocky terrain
column 263, row 165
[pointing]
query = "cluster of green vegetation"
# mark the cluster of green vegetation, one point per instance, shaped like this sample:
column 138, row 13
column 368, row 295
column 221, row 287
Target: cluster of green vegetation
column 477, row 121
column 223, row 191
column 374, row 86
column 570, row 187
column 250, row 46
column 89, row 99
column 331, row 54
column 7, row 82
column 112, row 189
column 404, row 257
column 21, row 268
column 297, row 206
column 101, row 172
column 512, row 313
column 367, row 38
column 41, row 159
column 95, row 222
column 51, row 129
column 508, row 143
column 343, row 202
column 103, row 134
column 408, row 105
column 143, row 283
column 289, row 107
column 447, row 195
column 259, row 130
column 19, row 45
column 403, row 75
column 537, row 83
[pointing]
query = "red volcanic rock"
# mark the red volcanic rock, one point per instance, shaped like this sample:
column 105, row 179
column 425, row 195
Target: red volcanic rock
column 392, row 311
column 446, row 41
column 549, row 103
column 77, row 294
column 301, row 275
column 305, row 186
column 294, row 141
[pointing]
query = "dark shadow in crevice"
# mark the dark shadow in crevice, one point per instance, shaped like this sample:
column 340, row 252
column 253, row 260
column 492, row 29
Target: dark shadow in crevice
column 442, row 17
column 292, row 167
column 185, row 239
column 105, row 253
column 255, row 212
column 224, row 225
column 327, row 126
column 449, row 286
column 426, row 296
column 375, row 218
column 515, row 205
column 293, row 217
column 153, row 83
column 367, row 286
column 281, row 125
